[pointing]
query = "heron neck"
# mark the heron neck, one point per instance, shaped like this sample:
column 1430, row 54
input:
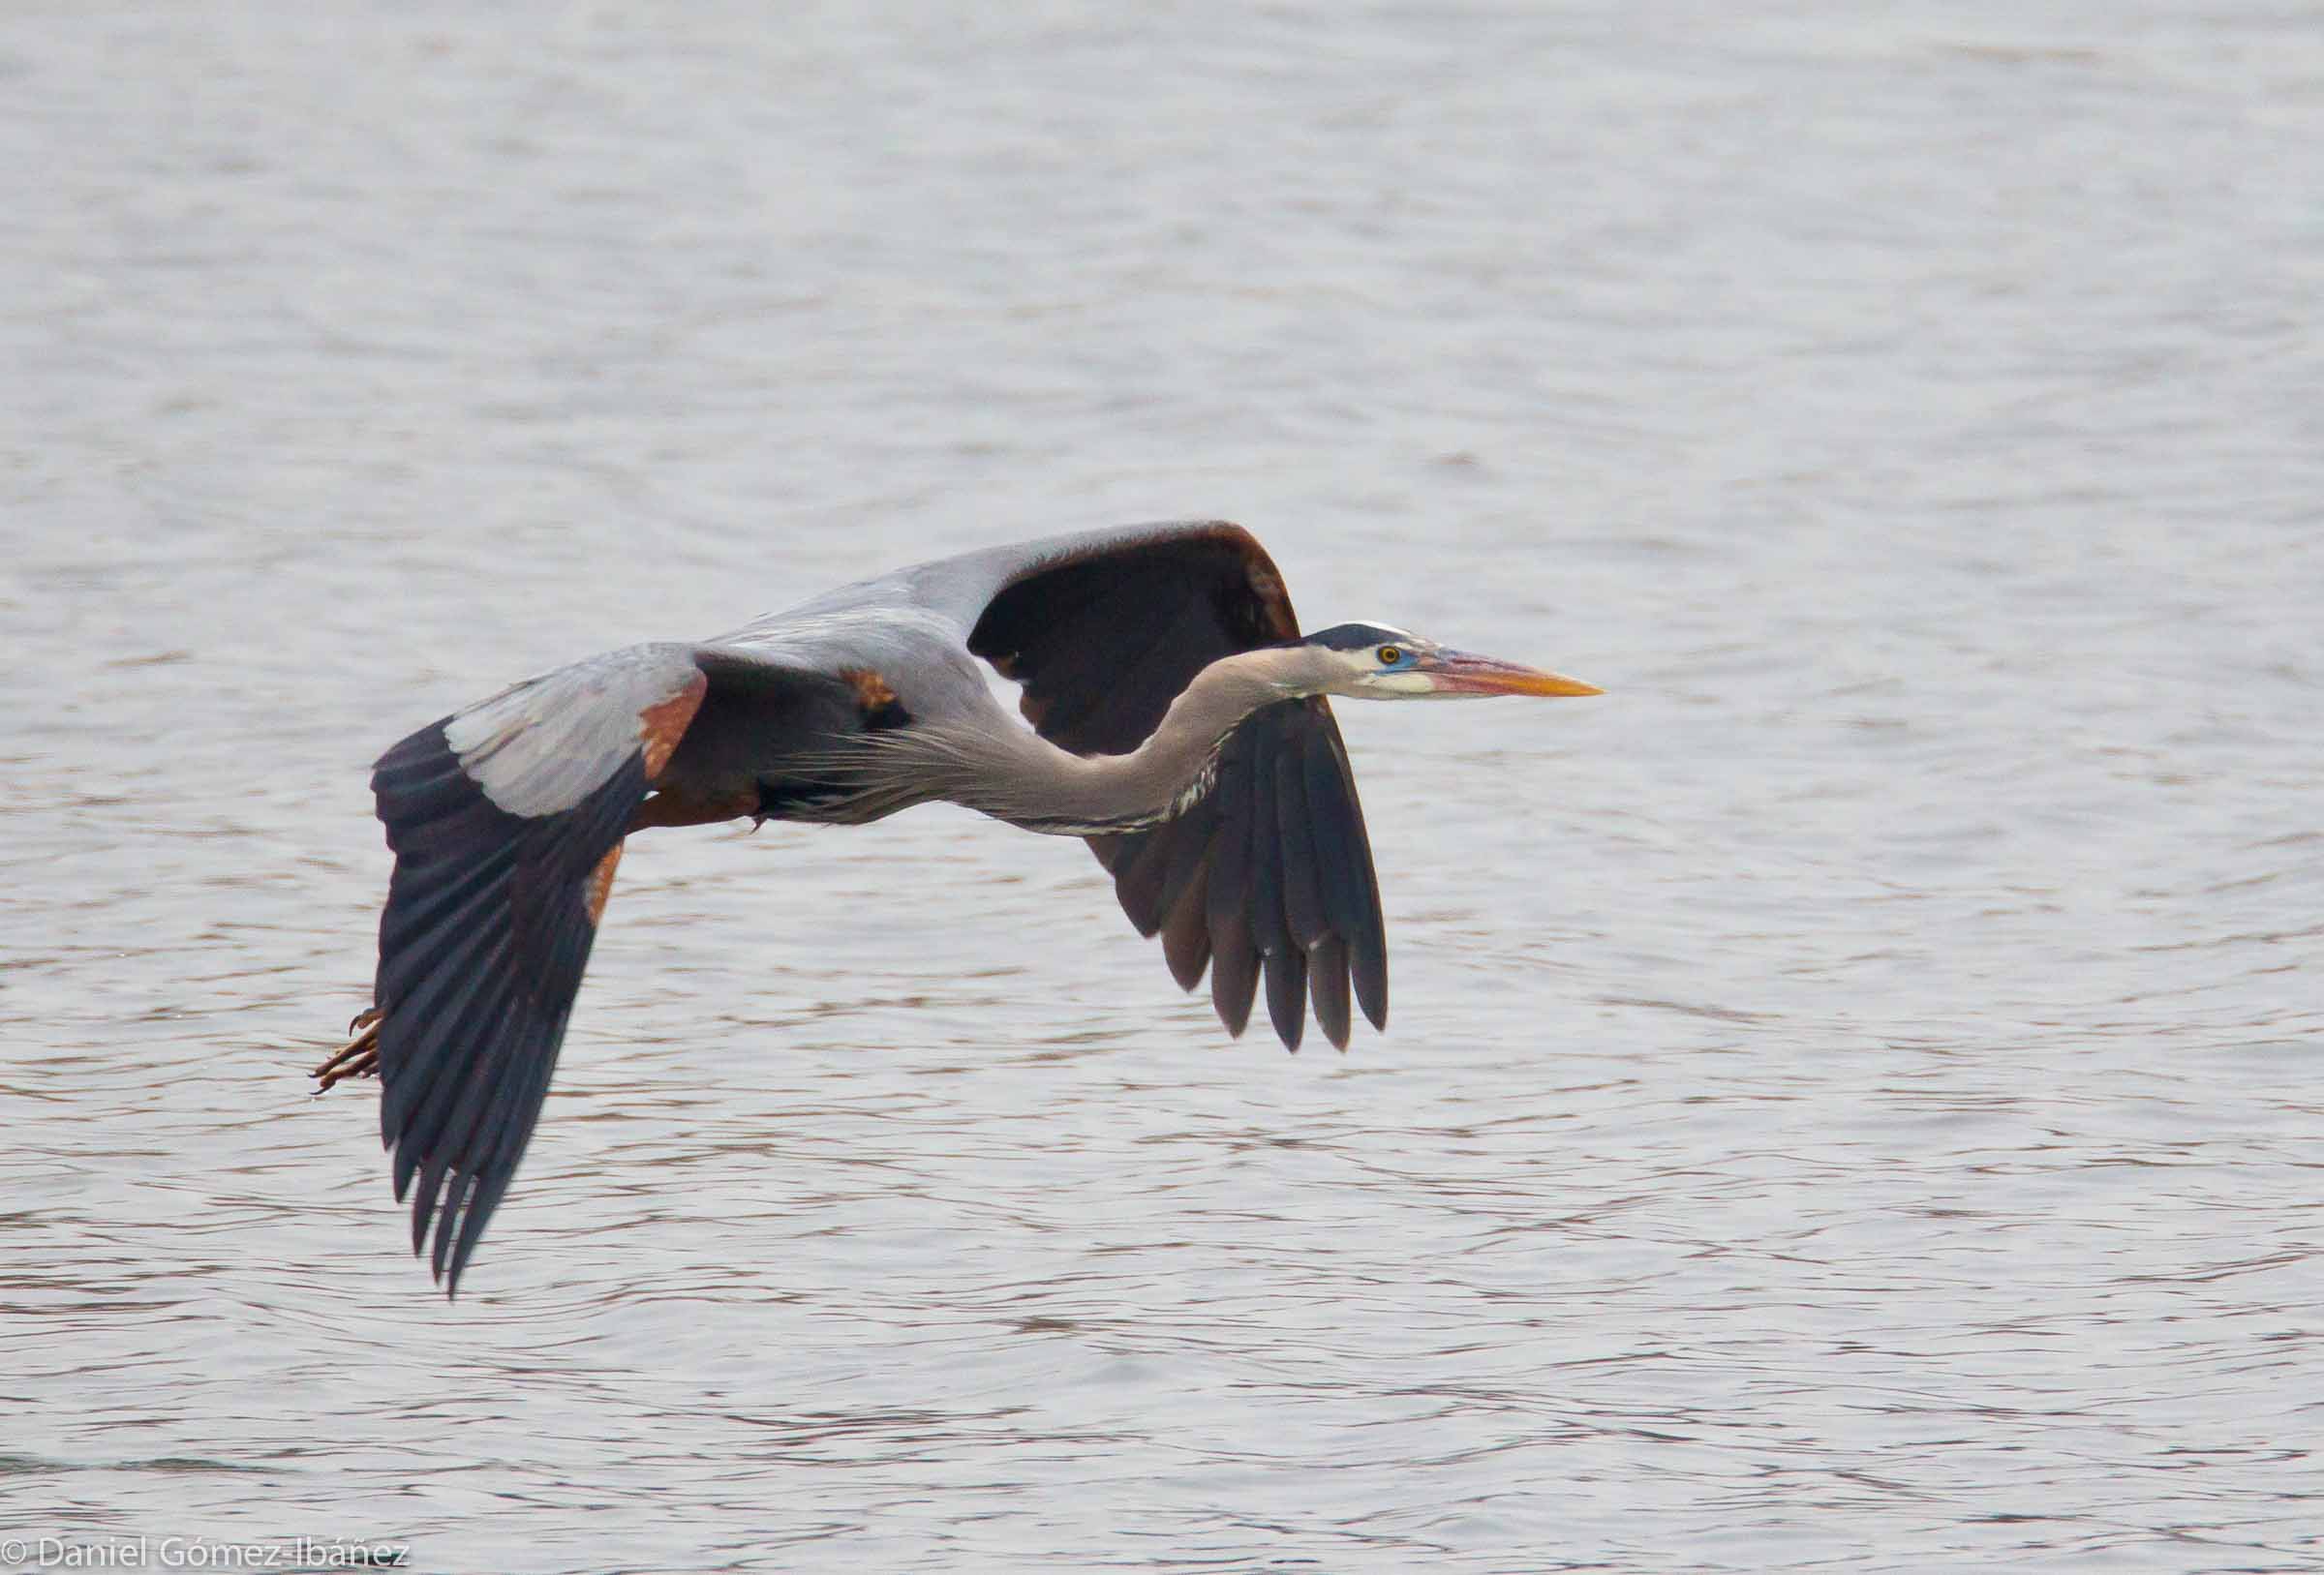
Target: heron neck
column 1044, row 788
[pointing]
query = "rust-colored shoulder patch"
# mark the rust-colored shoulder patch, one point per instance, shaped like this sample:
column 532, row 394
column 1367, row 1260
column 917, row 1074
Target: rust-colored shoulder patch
column 876, row 698
column 872, row 691
column 600, row 881
column 661, row 726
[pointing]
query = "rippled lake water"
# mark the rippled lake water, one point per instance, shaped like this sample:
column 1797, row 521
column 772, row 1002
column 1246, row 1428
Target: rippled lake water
column 1852, row 1096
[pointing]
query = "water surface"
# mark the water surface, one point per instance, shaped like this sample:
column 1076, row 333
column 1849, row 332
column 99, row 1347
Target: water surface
column 1852, row 1097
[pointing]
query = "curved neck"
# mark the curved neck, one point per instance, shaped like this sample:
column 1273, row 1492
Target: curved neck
column 1013, row 774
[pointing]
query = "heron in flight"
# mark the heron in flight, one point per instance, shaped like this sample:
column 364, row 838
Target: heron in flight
column 1179, row 724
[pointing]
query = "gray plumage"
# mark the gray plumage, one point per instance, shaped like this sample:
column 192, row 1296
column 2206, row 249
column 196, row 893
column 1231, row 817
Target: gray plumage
column 1177, row 721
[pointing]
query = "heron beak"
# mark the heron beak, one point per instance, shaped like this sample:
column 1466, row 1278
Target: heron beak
column 1457, row 673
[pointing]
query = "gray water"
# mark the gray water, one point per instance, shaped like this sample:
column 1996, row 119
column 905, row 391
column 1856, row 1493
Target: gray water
column 1852, row 1095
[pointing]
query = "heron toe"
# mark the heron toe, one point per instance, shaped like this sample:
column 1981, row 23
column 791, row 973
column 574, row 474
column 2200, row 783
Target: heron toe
column 358, row 1057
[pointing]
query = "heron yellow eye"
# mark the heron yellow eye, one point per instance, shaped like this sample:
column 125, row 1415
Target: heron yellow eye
column 1389, row 656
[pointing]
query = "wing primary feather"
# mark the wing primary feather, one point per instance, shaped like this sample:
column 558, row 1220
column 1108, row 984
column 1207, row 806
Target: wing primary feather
column 1139, row 869
column 1234, row 958
column 1234, row 977
column 1185, row 934
column 423, row 1201
column 1342, row 865
column 487, row 1129
column 1367, row 965
column 1328, row 988
column 436, row 1057
column 440, row 1011
column 455, row 1195
column 433, row 1160
column 484, row 1198
column 442, row 913
column 1338, row 866
column 419, row 972
column 1108, row 848
column 449, row 1166
column 1188, row 853
column 1284, row 964
column 505, row 1144
column 1287, row 994
column 447, row 1030
column 1286, row 959
column 419, row 1141
column 1367, row 944
column 1303, row 895
column 1267, row 929
column 466, row 1132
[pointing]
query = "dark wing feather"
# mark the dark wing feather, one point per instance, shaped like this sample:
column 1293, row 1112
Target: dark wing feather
column 1271, row 872
column 504, row 819
column 1227, row 912
column 482, row 945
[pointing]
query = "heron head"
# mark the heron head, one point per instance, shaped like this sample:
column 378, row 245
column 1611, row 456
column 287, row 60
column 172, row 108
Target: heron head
column 1372, row 661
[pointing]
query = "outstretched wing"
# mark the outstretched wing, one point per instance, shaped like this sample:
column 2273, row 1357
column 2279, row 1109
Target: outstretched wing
column 506, row 820
column 1271, row 871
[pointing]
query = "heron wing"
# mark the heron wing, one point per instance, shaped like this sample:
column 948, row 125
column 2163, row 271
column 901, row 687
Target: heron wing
column 507, row 819
column 1271, row 872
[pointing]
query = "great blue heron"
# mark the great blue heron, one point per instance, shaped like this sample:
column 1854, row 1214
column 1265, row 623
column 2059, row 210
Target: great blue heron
column 1179, row 724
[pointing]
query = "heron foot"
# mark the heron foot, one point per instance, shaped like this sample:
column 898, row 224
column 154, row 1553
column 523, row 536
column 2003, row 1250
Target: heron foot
column 358, row 1057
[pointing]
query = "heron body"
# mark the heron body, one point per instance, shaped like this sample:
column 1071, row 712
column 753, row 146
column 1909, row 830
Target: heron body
column 1178, row 722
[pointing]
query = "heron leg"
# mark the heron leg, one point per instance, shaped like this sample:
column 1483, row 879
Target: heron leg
column 358, row 1057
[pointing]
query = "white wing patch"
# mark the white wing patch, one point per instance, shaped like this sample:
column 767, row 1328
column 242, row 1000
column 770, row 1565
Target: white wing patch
column 542, row 746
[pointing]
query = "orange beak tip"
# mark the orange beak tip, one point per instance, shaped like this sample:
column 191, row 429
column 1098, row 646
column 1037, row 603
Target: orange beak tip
column 1464, row 674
